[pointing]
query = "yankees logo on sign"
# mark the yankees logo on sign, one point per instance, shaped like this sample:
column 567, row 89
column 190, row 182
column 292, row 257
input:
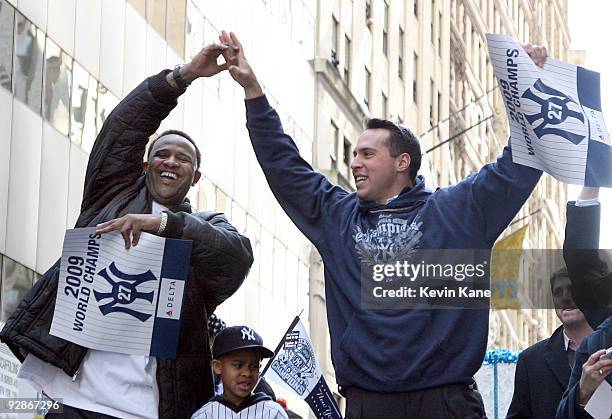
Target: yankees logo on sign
column 554, row 110
column 124, row 292
column 119, row 300
column 554, row 114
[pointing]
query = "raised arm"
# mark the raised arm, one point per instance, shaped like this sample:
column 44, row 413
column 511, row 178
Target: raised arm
column 591, row 277
column 307, row 196
column 490, row 198
column 498, row 191
column 117, row 155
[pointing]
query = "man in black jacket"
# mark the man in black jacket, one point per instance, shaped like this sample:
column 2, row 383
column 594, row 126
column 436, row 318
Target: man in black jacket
column 543, row 369
column 119, row 195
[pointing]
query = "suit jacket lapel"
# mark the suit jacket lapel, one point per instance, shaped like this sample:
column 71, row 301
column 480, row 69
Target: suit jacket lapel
column 556, row 357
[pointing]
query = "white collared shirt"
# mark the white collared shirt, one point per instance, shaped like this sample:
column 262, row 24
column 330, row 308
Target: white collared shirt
column 568, row 343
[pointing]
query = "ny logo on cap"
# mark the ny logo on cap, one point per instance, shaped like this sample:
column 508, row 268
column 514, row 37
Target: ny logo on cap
column 248, row 333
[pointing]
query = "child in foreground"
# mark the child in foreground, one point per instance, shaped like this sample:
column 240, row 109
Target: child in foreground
column 237, row 355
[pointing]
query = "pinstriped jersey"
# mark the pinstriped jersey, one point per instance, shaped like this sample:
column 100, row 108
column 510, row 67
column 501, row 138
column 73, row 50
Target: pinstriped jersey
column 218, row 408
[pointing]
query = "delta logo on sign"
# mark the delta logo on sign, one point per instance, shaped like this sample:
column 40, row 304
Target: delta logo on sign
column 170, row 299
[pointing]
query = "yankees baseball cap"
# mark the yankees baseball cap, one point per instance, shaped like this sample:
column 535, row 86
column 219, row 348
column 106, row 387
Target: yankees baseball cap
column 235, row 338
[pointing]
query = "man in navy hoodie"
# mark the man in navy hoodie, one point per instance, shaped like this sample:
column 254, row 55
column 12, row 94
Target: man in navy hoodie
column 389, row 363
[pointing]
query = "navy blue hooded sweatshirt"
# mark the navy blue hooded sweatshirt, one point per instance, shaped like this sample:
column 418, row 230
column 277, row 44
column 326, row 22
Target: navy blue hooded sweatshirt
column 391, row 350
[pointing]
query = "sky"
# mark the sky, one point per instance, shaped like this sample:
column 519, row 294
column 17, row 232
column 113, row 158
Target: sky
column 591, row 30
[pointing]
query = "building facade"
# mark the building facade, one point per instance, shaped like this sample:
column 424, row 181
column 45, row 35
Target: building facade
column 64, row 64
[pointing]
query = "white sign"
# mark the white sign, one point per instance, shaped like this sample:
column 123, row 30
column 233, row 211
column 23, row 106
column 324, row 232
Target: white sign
column 600, row 404
column 556, row 123
column 294, row 366
column 118, row 300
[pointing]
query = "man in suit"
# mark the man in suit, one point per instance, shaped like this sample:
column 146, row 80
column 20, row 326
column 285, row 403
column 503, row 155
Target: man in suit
column 543, row 370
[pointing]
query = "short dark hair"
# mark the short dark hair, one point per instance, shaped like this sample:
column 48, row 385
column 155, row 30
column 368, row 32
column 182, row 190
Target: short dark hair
column 560, row 273
column 401, row 140
column 180, row 134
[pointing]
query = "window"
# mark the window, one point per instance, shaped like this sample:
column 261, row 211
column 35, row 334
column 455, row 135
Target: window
column 335, row 41
column 16, row 282
column 480, row 63
column 431, row 102
column 175, row 25
column 440, row 34
column 385, row 34
column 431, row 24
column 29, row 46
column 7, row 20
column 56, row 97
column 83, row 108
column 384, row 106
column 415, row 76
column 156, row 15
column 194, row 37
column 347, row 59
column 416, row 8
column 346, row 152
column 439, row 106
column 368, row 81
column 211, row 33
column 105, row 104
column 333, row 145
column 400, row 55
column 368, row 12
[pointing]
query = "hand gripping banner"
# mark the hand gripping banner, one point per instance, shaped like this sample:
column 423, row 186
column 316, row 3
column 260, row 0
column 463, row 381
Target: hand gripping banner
column 555, row 116
column 295, row 367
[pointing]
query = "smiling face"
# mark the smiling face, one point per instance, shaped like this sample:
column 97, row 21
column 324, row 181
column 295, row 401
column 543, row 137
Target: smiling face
column 239, row 371
column 565, row 308
column 378, row 175
column 171, row 169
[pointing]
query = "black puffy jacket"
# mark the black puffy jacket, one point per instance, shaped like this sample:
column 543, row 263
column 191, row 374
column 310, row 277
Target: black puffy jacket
column 115, row 186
